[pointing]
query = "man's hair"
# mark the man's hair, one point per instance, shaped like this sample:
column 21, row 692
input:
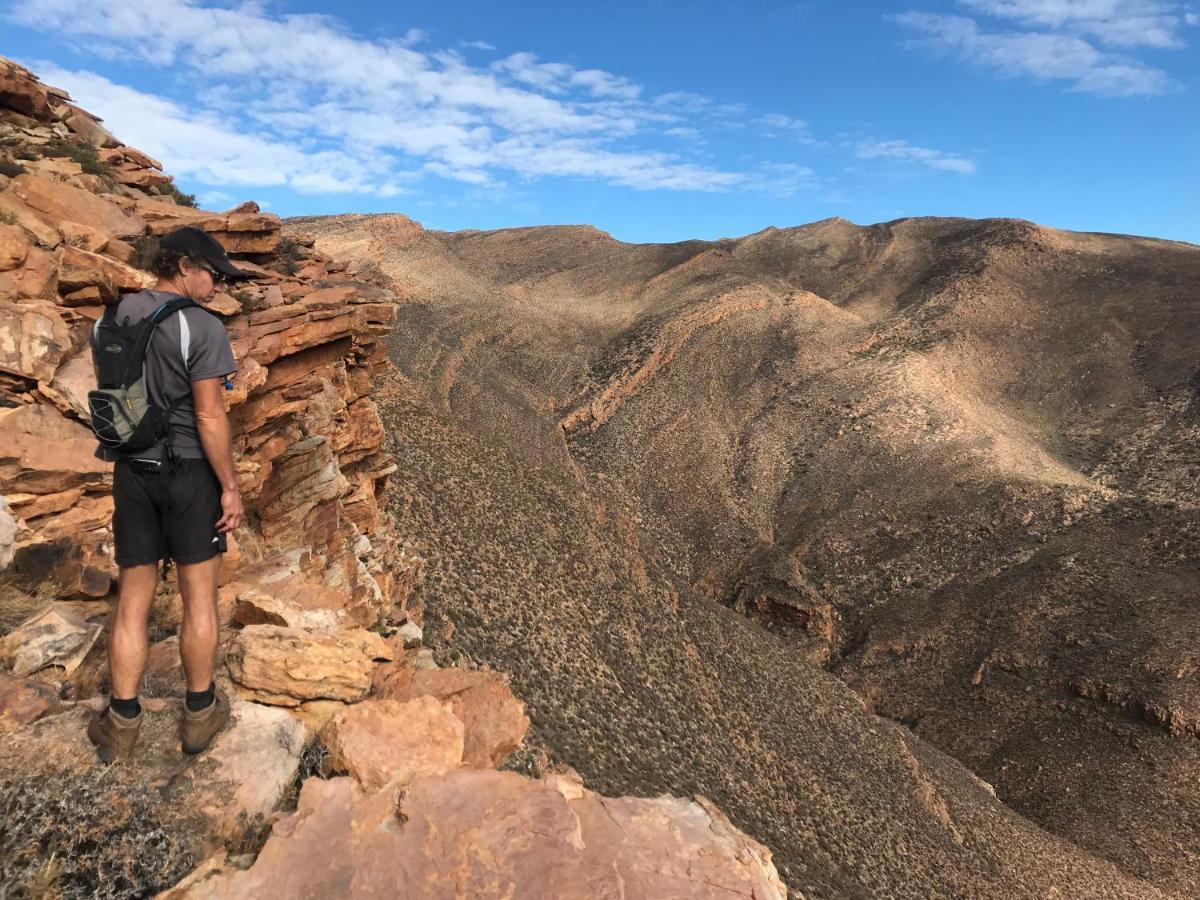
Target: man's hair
column 162, row 261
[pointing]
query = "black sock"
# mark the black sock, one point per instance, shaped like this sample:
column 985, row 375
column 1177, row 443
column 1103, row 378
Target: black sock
column 198, row 700
column 126, row 709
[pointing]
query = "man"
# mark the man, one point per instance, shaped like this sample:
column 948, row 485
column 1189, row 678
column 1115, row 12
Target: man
column 183, row 513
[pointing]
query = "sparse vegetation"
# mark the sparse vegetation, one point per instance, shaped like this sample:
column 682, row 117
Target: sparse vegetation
column 84, row 154
column 11, row 168
column 312, row 765
column 170, row 190
column 289, row 254
column 249, row 302
column 100, row 835
column 7, row 218
column 20, row 602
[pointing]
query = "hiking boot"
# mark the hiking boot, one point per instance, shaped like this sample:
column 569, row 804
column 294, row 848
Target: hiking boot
column 200, row 727
column 114, row 735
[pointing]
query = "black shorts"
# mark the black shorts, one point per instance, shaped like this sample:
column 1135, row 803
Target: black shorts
column 190, row 518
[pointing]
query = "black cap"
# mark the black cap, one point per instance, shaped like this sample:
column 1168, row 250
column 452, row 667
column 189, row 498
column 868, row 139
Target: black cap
column 191, row 240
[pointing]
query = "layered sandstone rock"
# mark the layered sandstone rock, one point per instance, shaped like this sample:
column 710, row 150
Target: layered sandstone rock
column 309, row 439
column 494, row 834
column 286, row 666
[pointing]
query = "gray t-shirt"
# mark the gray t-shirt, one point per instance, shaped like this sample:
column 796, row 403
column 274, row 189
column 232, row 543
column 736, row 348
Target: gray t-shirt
column 190, row 345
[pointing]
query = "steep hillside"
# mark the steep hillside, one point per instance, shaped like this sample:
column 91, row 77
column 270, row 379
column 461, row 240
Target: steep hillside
column 339, row 715
column 950, row 462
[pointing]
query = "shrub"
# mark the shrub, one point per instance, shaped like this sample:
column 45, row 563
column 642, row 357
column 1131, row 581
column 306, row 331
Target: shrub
column 170, row 190
column 289, row 254
column 84, row 154
column 11, row 168
column 100, row 835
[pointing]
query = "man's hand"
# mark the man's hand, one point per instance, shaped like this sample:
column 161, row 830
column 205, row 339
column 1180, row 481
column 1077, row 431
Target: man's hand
column 213, row 427
column 232, row 511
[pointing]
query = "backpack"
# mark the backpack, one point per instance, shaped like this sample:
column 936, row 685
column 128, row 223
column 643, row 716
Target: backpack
column 122, row 415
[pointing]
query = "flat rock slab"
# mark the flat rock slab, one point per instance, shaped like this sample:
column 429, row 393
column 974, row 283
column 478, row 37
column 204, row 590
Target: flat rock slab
column 487, row 834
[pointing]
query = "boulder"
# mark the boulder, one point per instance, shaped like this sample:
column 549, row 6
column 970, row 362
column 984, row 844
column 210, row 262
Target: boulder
column 89, row 128
column 60, row 166
column 35, row 279
column 34, row 225
column 124, row 154
column 14, row 245
column 80, row 269
column 256, row 758
column 78, row 562
column 33, row 339
column 379, row 742
column 51, row 638
column 285, row 666
column 22, row 92
column 84, row 237
column 72, row 382
column 57, row 201
column 42, row 452
column 493, row 834
column 22, row 702
column 494, row 720
column 258, row 607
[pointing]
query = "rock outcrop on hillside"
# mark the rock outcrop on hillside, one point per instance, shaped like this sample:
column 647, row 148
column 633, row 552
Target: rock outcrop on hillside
column 320, row 645
column 950, row 462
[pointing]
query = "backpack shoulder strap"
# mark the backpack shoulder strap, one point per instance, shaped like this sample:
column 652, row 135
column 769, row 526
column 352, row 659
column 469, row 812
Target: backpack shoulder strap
column 171, row 307
column 138, row 357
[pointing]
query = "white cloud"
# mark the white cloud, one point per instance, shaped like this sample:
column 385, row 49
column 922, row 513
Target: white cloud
column 478, row 45
column 933, row 159
column 212, row 151
column 1040, row 55
column 1126, row 23
column 297, row 100
column 214, row 199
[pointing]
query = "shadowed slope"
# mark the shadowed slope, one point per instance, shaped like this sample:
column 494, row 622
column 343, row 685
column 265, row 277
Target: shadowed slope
column 952, row 461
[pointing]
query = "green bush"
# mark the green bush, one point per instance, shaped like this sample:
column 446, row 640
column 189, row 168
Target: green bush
column 11, row 168
column 170, row 190
column 84, row 154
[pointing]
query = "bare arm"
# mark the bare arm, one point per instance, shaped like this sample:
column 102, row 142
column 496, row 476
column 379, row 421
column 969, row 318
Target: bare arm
column 212, row 423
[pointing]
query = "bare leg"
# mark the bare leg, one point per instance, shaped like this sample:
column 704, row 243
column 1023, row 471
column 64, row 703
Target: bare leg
column 198, row 634
column 128, row 641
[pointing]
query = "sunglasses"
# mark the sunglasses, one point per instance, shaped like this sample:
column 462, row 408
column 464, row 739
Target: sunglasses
column 219, row 280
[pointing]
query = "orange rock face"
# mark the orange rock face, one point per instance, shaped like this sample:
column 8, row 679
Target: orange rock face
column 69, row 244
column 496, row 834
column 58, row 201
column 494, row 720
column 33, row 339
column 285, row 666
column 80, row 269
column 380, row 742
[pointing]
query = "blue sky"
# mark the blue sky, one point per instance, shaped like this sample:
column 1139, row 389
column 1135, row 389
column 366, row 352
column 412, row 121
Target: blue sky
column 654, row 120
